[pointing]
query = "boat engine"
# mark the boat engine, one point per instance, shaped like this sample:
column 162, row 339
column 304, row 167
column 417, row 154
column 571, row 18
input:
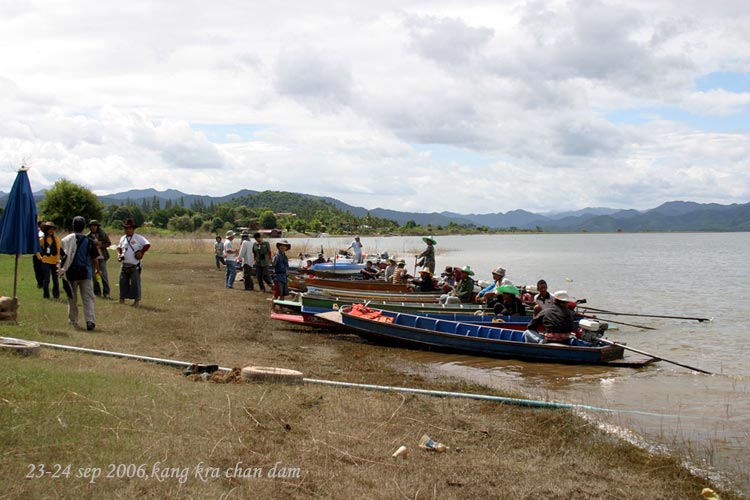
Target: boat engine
column 592, row 330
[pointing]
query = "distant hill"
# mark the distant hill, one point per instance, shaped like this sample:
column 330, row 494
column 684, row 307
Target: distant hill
column 670, row 216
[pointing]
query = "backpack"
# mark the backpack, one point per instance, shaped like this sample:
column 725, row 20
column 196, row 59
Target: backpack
column 79, row 268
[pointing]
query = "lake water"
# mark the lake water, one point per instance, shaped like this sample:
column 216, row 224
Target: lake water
column 701, row 417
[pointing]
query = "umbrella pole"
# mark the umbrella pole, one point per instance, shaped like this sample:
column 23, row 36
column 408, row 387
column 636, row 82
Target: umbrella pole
column 15, row 278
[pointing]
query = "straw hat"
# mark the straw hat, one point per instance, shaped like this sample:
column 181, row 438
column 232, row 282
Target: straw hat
column 285, row 243
column 48, row 223
column 500, row 271
column 230, row 234
column 426, row 270
column 429, row 239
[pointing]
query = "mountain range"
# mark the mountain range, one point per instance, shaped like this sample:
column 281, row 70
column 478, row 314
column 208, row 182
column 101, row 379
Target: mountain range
column 670, row 216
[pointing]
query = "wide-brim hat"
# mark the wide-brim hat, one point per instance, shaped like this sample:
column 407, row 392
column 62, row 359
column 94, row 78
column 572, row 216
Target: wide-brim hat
column 48, row 223
column 283, row 242
column 129, row 223
column 507, row 289
column 94, row 222
column 429, row 239
column 563, row 296
column 426, row 270
column 230, row 234
column 467, row 270
column 500, row 271
column 392, row 259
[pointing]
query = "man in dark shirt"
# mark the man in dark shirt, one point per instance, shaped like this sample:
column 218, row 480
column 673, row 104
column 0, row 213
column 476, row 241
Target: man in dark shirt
column 369, row 272
column 557, row 321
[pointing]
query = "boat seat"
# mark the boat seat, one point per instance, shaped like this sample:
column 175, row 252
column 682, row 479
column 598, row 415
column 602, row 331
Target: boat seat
column 426, row 323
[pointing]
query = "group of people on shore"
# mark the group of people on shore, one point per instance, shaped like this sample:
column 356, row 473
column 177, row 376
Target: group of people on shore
column 80, row 260
column 254, row 257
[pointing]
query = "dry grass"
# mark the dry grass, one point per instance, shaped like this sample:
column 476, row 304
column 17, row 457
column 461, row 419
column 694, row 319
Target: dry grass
column 88, row 411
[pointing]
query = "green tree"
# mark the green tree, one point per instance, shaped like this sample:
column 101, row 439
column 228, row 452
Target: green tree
column 65, row 200
column 267, row 220
column 182, row 223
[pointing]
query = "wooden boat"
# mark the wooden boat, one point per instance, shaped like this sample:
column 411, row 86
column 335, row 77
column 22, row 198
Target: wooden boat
column 356, row 284
column 420, row 332
column 365, row 295
column 339, row 266
column 332, row 302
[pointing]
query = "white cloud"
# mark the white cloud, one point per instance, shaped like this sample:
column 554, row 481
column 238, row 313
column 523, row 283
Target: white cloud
column 346, row 99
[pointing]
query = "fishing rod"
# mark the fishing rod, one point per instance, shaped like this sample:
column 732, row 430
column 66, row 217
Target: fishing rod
column 658, row 358
column 604, row 311
column 618, row 322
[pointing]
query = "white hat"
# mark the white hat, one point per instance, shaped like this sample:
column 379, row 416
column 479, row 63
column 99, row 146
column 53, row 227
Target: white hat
column 563, row 296
column 230, row 234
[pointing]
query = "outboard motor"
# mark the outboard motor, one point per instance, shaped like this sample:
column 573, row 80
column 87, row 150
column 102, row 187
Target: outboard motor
column 592, row 330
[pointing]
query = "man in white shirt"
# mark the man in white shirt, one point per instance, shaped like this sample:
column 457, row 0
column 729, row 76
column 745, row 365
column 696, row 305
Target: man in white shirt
column 356, row 247
column 229, row 259
column 130, row 252
column 248, row 261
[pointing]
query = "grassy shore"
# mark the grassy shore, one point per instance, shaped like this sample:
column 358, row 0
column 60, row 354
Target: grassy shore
column 136, row 430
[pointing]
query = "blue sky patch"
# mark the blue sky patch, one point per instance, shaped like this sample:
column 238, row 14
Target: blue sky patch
column 228, row 132
column 725, row 80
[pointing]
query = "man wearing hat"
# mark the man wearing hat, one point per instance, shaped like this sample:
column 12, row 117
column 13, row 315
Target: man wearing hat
column 557, row 320
column 425, row 282
column 49, row 257
column 427, row 258
column 245, row 256
column 280, row 265
column 389, row 270
column 488, row 294
column 103, row 243
column 78, row 254
column 464, row 290
column 400, row 275
column 130, row 251
column 229, row 259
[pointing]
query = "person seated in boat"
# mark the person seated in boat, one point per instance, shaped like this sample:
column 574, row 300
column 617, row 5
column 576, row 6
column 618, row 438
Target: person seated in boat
column 508, row 304
column 463, row 292
column 488, row 294
column 389, row 270
column 557, row 321
column 425, row 283
column 369, row 272
column 542, row 300
column 306, row 266
column 320, row 260
column 401, row 275
column 447, row 280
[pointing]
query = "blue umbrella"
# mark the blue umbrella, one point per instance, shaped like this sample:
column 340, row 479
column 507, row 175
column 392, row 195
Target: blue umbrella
column 19, row 234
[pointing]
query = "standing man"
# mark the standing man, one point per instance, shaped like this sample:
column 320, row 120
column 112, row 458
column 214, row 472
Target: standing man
column 229, row 259
column 101, row 239
column 262, row 255
column 130, row 252
column 219, row 252
column 38, row 265
column 356, row 246
column 280, row 266
column 427, row 258
column 246, row 257
column 78, row 253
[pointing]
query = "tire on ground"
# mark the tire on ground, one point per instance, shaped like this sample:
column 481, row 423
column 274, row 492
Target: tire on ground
column 18, row 346
column 267, row 374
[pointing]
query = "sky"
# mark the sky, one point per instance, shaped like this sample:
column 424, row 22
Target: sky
column 469, row 106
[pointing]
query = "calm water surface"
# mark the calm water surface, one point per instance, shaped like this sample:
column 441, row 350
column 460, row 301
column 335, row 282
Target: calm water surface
column 705, row 418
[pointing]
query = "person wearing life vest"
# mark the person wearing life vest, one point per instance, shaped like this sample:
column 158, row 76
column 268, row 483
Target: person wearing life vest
column 557, row 321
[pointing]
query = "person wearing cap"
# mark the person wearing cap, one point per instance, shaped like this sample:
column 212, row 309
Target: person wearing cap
column 427, row 258
column 219, row 252
column 130, row 251
column 488, row 294
column 262, row 256
column 229, row 259
column 509, row 303
column 280, row 264
column 245, row 256
column 463, row 292
column 389, row 270
column 558, row 321
column 447, row 279
column 400, row 275
column 356, row 246
column 425, row 283
column 50, row 258
column 78, row 254
column 103, row 243
column 369, row 272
